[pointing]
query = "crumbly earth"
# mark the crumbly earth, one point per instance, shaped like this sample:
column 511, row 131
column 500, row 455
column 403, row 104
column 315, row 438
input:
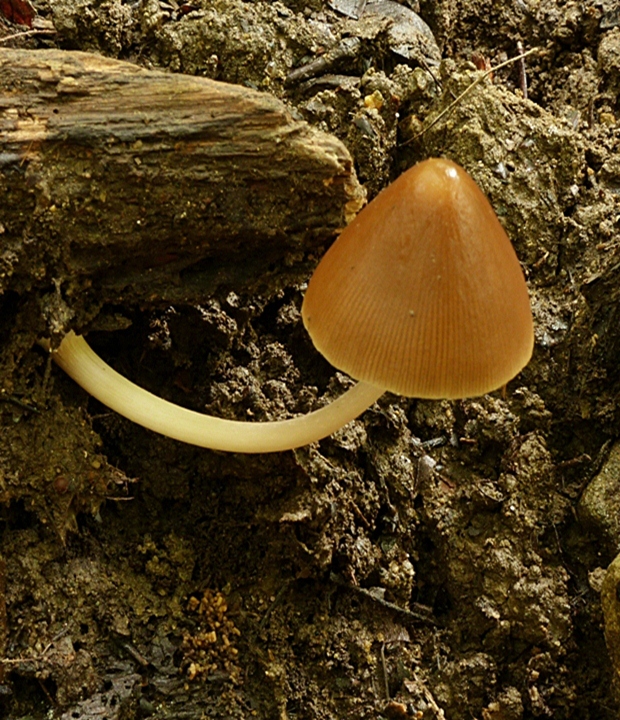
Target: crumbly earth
column 431, row 560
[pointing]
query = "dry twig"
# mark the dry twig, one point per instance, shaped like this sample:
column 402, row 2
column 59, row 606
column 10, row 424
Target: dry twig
column 469, row 88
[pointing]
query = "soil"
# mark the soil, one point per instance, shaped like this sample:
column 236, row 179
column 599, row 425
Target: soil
column 431, row 559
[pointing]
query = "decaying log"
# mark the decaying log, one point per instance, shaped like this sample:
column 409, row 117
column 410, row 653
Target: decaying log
column 110, row 172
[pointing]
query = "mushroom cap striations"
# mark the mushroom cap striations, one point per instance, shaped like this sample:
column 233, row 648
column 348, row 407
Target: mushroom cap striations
column 422, row 294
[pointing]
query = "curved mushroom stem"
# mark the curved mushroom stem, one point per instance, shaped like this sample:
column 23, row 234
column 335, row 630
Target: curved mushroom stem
column 79, row 361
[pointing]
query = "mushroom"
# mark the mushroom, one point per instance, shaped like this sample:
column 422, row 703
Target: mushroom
column 422, row 295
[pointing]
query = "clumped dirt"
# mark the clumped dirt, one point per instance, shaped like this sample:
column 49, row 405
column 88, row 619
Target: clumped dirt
column 432, row 559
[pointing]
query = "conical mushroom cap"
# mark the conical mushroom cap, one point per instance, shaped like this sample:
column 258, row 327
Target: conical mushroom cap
column 422, row 294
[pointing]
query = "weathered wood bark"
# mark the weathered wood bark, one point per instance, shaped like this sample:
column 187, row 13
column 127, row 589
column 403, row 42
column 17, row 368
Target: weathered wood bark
column 107, row 170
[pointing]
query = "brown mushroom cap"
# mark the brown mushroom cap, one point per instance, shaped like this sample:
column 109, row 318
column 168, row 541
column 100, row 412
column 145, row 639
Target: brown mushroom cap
column 422, row 294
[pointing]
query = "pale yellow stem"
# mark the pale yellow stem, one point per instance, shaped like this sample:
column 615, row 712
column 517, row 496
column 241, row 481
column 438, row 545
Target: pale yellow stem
column 79, row 361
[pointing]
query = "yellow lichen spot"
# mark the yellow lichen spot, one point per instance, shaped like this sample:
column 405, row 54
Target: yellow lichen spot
column 375, row 101
column 209, row 649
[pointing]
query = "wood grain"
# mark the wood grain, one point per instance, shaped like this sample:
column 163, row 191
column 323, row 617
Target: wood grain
column 110, row 172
